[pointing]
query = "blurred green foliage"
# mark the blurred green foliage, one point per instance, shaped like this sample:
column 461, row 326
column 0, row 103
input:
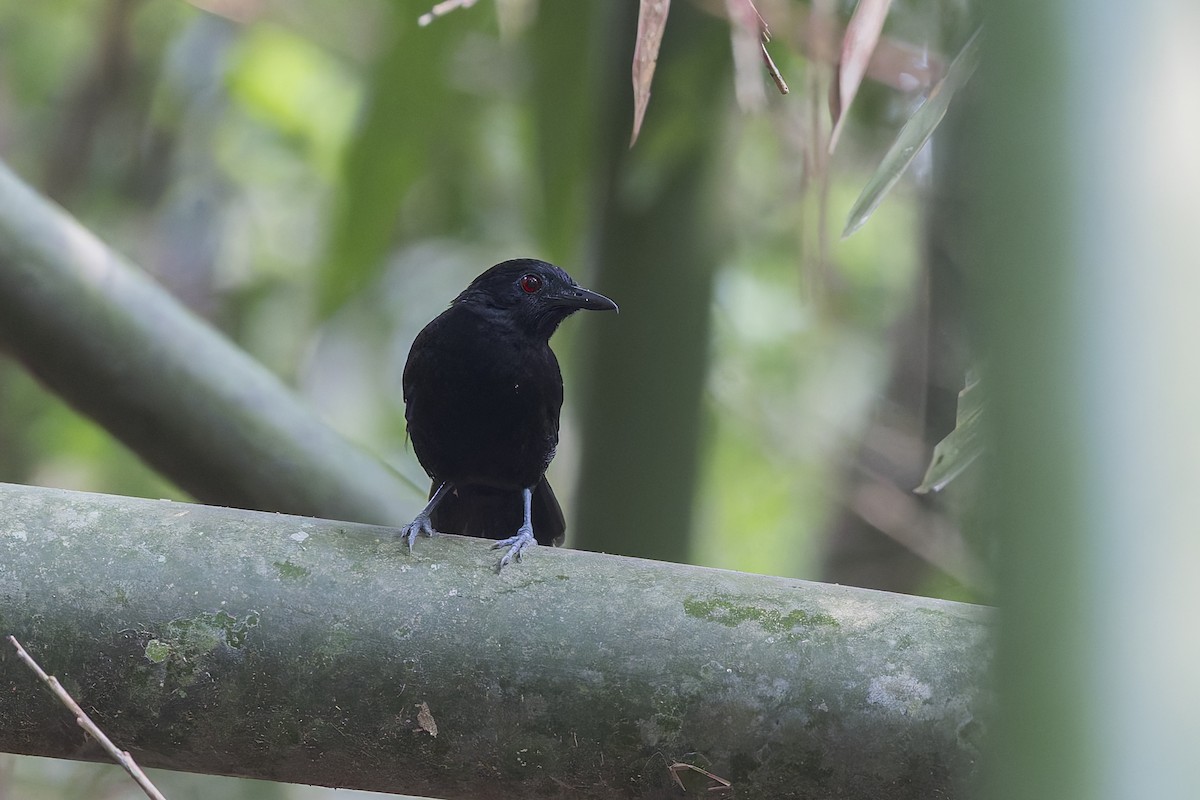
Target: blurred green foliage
column 319, row 180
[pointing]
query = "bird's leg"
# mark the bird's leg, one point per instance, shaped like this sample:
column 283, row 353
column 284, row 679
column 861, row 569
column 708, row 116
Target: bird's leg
column 421, row 524
column 524, row 539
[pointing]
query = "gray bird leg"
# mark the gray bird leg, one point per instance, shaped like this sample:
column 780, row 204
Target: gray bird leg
column 421, row 524
column 524, row 539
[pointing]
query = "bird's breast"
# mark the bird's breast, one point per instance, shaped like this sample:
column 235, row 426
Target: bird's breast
column 482, row 404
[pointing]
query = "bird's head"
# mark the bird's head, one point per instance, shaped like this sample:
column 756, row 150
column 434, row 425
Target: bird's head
column 535, row 295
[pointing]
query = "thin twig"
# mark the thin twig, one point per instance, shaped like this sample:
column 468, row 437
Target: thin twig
column 773, row 70
column 764, row 40
column 442, row 9
column 122, row 757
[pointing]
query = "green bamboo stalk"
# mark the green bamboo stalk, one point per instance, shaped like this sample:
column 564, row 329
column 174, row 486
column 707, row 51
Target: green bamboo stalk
column 223, row 641
column 1087, row 253
column 120, row 349
column 1025, row 286
column 641, row 394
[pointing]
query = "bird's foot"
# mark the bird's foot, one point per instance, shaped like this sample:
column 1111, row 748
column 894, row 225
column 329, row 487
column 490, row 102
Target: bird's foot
column 516, row 545
column 420, row 526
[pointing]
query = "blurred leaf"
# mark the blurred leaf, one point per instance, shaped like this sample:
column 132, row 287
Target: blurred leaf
column 652, row 21
column 281, row 78
column 904, row 66
column 412, row 126
column 562, row 98
column 914, row 135
column 858, row 45
column 964, row 444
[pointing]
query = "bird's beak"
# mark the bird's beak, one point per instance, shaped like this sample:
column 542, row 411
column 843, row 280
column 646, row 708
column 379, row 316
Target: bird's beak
column 578, row 297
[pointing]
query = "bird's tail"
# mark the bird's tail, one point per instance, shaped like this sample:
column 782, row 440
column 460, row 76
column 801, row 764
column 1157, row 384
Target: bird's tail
column 497, row 513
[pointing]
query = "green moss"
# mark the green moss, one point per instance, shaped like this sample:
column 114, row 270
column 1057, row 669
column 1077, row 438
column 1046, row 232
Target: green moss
column 725, row 611
column 287, row 569
column 236, row 630
column 157, row 651
column 181, row 654
column 203, row 633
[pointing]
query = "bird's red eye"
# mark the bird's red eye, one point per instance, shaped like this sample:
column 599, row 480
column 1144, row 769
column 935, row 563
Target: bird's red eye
column 530, row 283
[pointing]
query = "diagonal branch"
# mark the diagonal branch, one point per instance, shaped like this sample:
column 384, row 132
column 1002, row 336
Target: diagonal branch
column 122, row 757
column 118, row 347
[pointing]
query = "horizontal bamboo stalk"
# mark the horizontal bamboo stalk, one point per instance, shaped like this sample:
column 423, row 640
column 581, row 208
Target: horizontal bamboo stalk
column 223, row 641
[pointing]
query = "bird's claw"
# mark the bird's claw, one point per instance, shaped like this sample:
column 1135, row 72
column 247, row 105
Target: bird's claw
column 516, row 545
column 421, row 526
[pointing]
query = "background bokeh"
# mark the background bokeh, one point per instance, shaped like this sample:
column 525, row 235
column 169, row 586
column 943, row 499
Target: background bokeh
column 319, row 180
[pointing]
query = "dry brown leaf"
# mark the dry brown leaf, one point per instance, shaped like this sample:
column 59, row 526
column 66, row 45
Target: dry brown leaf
column 652, row 21
column 858, row 45
column 425, row 719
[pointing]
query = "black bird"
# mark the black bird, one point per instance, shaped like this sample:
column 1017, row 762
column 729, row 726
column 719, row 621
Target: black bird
column 482, row 393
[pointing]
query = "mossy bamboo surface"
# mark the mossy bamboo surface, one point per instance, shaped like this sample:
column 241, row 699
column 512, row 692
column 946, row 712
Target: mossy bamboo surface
column 243, row 643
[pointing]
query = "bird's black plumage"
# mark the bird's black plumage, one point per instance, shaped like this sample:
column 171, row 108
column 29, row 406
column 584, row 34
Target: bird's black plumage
column 482, row 394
